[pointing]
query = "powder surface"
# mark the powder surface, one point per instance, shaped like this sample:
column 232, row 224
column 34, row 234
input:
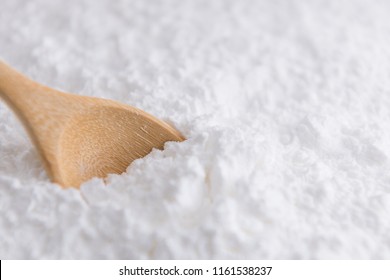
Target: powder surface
column 285, row 104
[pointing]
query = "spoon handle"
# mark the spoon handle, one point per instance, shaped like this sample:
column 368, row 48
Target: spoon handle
column 16, row 89
column 41, row 110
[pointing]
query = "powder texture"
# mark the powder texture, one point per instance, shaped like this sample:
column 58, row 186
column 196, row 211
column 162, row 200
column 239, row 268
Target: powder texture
column 285, row 104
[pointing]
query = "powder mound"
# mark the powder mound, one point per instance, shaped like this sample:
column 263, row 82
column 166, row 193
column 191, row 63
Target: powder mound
column 285, row 106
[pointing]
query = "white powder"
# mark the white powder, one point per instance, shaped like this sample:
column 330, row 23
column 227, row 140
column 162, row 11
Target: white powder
column 285, row 104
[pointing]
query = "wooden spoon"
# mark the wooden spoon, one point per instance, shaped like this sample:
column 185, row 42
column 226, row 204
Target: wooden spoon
column 81, row 137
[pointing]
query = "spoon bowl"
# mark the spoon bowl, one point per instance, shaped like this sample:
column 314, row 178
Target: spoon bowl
column 81, row 137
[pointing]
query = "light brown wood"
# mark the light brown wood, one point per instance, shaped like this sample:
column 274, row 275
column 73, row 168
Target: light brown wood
column 81, row 137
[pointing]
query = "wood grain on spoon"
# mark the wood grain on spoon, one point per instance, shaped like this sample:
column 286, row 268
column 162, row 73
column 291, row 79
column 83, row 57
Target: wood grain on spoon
column 81, row 137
